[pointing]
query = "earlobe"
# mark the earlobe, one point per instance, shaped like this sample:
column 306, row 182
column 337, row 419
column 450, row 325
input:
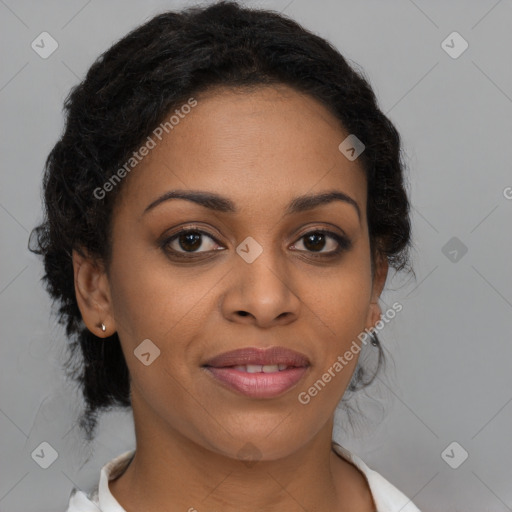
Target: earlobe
column 93, row 294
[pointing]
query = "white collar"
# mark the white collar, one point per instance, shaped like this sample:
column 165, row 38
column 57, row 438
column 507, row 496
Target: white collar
column 386, row 496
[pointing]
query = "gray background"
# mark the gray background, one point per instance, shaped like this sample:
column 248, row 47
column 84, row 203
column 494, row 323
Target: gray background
column 451, row 344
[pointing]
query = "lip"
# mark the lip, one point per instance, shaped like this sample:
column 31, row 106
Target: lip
column 258, row 385
column 263, row 356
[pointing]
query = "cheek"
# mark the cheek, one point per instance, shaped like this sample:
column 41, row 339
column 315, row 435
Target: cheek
column 156, row 300
column 341, row 315
column 341, row 304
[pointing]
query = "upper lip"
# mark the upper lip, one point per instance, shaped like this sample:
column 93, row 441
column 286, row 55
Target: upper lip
column 259, row 356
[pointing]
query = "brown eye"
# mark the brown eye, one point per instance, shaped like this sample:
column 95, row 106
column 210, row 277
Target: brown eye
column 189, row 241
column 316, row 241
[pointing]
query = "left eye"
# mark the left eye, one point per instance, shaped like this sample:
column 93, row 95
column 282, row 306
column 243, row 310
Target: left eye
column 316, row 241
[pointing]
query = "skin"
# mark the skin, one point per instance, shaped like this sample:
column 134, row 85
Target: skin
column 260, row 149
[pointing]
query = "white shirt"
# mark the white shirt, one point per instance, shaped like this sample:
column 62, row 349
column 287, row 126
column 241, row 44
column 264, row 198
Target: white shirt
column 386, row 496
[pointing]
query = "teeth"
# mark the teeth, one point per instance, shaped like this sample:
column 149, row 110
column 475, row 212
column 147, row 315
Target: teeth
column 258, row 368
column 254, row 368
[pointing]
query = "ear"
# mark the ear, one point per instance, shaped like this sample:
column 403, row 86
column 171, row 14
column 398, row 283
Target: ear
column 92, row 292
column 379, row 279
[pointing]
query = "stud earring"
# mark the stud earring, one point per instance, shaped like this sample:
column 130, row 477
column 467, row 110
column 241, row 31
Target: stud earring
column 103, row 328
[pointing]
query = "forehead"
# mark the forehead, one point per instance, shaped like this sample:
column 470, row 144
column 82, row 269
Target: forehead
column 260, row 147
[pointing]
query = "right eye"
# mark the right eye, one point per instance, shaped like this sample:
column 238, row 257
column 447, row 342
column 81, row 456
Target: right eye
column 188, row 241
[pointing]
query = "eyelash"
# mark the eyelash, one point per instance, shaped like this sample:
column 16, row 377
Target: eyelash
column 344, row 244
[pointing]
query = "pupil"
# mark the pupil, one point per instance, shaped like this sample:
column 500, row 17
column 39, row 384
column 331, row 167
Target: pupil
column 313, row 241
column 192, row 238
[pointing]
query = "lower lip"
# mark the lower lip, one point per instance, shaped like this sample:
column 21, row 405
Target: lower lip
column 258, row 385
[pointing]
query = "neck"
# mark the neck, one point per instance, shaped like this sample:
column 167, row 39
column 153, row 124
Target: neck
column 171, row 472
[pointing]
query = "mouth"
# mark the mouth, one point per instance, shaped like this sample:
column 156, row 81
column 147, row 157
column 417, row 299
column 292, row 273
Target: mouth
column 261, row 368
column 264, row 357
column 258, row 373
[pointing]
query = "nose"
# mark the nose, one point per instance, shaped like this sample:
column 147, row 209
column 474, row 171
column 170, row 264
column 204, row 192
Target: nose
column 261, row 293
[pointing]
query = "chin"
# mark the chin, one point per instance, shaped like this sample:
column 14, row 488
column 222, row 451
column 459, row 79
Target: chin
column 257, row 445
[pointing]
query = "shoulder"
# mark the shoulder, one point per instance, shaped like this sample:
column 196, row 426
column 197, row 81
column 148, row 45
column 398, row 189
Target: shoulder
column 386, row 496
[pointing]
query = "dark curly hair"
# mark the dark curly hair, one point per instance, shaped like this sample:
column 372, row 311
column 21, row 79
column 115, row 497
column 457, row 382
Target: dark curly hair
column 130, row 89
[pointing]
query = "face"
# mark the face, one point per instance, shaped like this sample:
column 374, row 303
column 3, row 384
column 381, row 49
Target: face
column 252, row 273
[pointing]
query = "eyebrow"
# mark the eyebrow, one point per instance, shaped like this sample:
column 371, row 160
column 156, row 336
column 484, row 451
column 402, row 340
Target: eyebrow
column 222, row 204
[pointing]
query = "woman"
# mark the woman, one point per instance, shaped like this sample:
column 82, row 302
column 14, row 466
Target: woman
column 221, row 213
